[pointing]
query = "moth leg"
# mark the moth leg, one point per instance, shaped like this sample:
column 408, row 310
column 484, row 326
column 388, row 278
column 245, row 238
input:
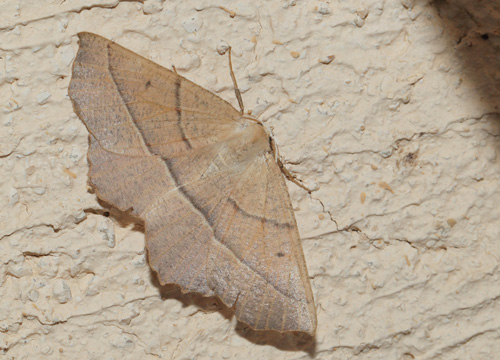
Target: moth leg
column 292, row 177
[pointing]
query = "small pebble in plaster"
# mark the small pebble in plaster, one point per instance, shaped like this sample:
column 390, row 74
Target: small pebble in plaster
column 377, row 284
column 33, row 295
column 121, row 341
column 189, row 62
column 62, row 24
column 193, row 38
column 478, row 177
column 75, row 154
column 152, row 7
column 414, row 15
column 323, row 9
column 42, row 97
column 48, row 266
column 46, row 350
column 78, row 266
column 414, row 78
column 394, row 105
column 12, row 105
column 430, row 244
column 39, row 190
column 193, row 24
column 222, row 47
column 19, row 268
column 295, row 54
column 362, row 197
column 363, row 13
column 13, row 197
column 261, row 105
column 138, row 280
column 452, row 222
column 107, row 233
column 61, row 291
column 408, row 4
column 385, row 186
column 93, row 286
column 359, row 22
column 139, row 260
column 8, row 120
column 30, row 170
column 385, row 153
column 80, row 216
column 326, row 59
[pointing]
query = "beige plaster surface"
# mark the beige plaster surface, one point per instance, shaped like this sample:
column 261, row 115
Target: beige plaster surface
column 387, row 109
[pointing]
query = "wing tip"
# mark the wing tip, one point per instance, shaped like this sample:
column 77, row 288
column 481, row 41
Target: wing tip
column 84, row 34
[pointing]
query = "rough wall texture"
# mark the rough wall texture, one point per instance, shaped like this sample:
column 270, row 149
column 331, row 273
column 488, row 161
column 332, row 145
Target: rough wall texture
column 387, row 109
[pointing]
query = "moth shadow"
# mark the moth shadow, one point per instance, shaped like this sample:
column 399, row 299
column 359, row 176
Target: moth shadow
column 290, row 341
column 476, row 38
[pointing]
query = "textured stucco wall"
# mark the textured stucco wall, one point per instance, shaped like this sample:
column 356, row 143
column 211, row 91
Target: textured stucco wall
column 398, row 135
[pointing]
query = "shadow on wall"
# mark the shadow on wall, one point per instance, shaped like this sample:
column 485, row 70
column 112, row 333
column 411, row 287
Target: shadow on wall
column 474, row 26
column 291, row 341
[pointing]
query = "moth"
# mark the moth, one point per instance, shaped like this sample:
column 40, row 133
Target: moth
column 204, row 179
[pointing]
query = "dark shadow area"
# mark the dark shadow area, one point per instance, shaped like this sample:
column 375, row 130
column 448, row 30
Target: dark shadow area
column 474, row 29
column 290, row 341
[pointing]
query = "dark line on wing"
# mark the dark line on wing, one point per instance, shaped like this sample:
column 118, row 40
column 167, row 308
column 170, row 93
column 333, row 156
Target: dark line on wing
column 139, row 129
column 184, row 192
column 177, row 107
column 260, row 218
column 178, row 111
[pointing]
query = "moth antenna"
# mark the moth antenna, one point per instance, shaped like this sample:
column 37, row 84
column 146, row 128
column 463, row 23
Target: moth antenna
column 236, row 90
